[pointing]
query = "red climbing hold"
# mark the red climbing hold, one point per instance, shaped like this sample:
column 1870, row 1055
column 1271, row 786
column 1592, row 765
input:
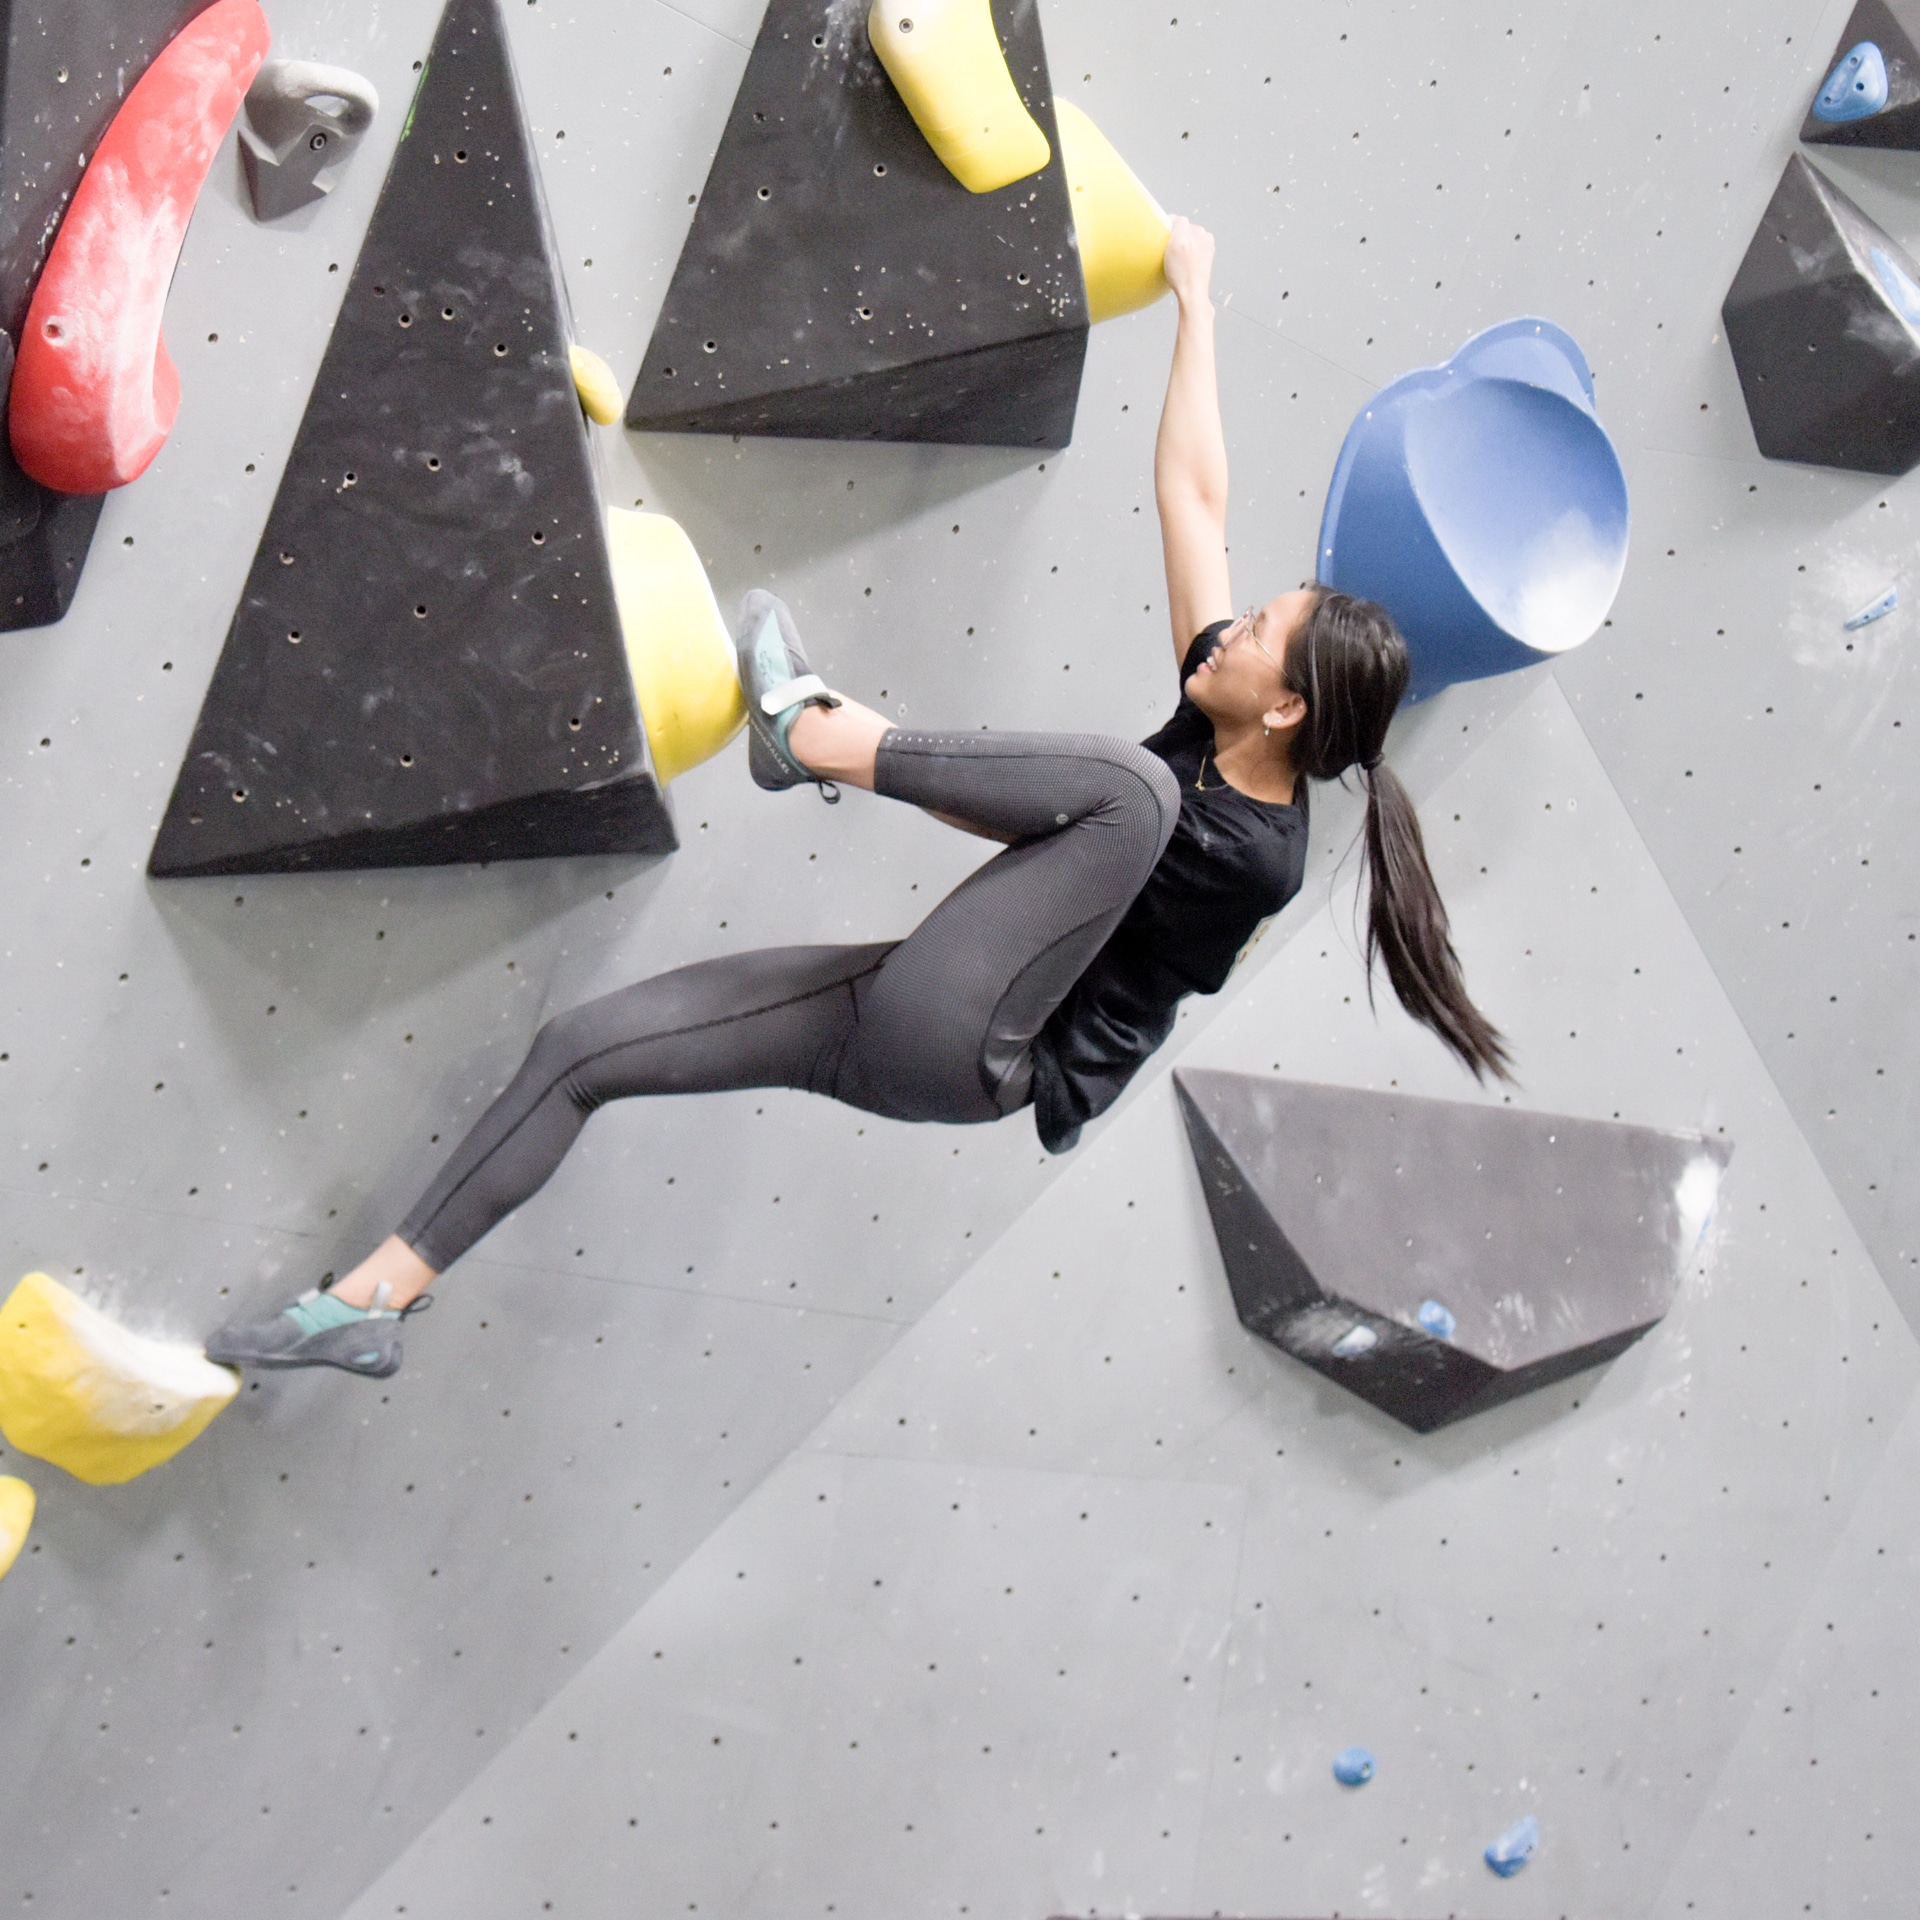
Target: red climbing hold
column 95, row 391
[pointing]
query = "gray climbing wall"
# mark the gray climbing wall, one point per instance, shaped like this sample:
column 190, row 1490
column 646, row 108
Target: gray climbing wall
column 792, row 1513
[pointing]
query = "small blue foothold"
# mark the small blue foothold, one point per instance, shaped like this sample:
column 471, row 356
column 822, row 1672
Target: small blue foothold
column 1856, row 89
column 1514, row 1848
column 1354, row 1342
column 1436, row 1319
column 1353, row 1766
column 1901, row 287
column 1878, row 610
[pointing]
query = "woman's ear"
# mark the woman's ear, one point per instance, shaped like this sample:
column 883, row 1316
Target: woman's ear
column 1285, row 714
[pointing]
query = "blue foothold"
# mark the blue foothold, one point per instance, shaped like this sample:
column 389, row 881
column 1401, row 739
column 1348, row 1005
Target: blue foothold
column 1353, row 1766
column 1437, row 1320
column 1877, row 611
column 1856, row 89
column 1900, row 286
column 1514, row 1848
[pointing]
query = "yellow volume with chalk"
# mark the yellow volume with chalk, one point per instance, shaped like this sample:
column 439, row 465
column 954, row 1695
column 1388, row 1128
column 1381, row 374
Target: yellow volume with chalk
column 593, row 381
column 1120, row 226
column 678, row 648
column 78, row 1389
column 16, row 1518
column 945, row 59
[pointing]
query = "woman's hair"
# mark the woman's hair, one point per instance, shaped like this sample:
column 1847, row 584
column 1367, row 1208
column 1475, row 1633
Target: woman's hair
column 1349, row 664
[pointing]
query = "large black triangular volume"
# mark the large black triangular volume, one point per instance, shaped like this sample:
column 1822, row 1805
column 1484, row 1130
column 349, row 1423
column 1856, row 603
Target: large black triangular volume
column 64, row 71
column 1437, row 1257
column 1823, row 320
column 427, row 665
column 1893, row 26
column 838, row 282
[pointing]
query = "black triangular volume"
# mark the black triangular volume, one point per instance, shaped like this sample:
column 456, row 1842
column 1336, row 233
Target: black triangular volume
column 1823, row 321
column 1893, row 26
column 838, row 283
column 65, row 70
column 1438, row 1257
column 427, row 665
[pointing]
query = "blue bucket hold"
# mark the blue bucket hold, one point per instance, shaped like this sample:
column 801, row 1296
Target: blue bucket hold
column 1856, row 89
column 1483, row 505
column 1353, row 1766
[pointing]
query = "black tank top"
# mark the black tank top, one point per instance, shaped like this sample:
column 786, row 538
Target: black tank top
column 1232, row 863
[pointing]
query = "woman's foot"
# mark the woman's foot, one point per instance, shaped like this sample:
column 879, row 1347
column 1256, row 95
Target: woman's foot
column 779, row 685
column 319, row 1330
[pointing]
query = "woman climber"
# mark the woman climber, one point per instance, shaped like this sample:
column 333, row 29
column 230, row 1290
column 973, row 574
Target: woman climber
column 1132, row 876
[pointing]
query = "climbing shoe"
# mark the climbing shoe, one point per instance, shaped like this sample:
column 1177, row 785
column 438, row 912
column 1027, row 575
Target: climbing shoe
column 319, row 1331
column 777, row 682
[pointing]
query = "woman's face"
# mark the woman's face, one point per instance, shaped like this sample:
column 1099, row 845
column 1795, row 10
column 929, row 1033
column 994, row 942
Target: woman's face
column 1242, row 679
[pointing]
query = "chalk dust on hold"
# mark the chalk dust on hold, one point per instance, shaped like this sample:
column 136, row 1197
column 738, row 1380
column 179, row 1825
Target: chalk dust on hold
column 1567, row 579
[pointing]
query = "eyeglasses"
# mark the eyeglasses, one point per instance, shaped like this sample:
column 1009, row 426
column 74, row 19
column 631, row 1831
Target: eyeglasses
column 1246, row 628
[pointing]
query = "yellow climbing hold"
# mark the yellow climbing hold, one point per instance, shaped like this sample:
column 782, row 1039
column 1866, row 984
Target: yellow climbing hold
column 944, row 56
column 81, row 1391
column 16, row 1516
column 678, row 647
column 593, row 381
column 1120, row 226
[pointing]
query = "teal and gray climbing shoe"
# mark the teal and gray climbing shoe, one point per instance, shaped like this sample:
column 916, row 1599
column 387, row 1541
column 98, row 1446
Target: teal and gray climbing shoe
column 777, row 682
column 319, row 1331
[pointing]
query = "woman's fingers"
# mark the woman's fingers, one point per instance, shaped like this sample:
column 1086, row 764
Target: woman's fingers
column 1189, row 262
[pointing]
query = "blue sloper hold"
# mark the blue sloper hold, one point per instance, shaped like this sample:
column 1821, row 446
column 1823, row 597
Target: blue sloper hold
column 1514, row 1848
column 1877, row 610
column 1483, row 505
column 1353, row 1766
column 1856, row 88
column 1436, row 1319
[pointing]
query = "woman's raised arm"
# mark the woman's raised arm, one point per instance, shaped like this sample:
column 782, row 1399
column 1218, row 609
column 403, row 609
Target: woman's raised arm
column 1190, row 457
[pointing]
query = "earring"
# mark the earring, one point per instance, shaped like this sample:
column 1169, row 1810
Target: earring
column 1266, row 732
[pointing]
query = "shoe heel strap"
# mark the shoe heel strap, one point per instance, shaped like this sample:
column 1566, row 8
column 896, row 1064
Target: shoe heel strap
column 795, row 693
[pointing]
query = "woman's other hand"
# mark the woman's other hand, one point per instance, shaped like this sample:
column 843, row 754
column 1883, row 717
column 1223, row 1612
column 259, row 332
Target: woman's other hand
column 1189, row 263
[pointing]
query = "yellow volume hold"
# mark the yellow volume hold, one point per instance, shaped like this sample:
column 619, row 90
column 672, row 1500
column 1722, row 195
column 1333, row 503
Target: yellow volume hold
column 678, row 648
column 78, row 1389
column 593, row 381
column 1121, row 227
column 944, row 57
column 16, row 1518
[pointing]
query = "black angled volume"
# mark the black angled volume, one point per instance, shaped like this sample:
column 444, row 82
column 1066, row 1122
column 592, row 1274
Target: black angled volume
column 427, row 665
column 839, row 283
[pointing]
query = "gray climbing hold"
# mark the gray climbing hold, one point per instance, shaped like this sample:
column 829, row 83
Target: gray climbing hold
column 1555, row 1242
column 299, row 128
column 1436, row 1319
column 1874, row 610
column 1514, row 1848
column 1823, row 319
column 1353, row 1766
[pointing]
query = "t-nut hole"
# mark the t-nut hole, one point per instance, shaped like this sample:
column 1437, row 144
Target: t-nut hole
column 879, row 169
column 286, row 559
column 1021, row 277
column 574, row 723
column 293, row 634
column 317, row 144
column 406, row 319
column 819, row 39
column 406, row 759
column 55, row 330
column 420, row 612
column 460, row 154
column 539, row 536
column 446, row 313
column 766, row 193
column 239, row 793
column 433, row 463
column 500, row 348
column 666, row 373
column 710, row 346
column 352, row 479
column 906, row 26
column 866, row 313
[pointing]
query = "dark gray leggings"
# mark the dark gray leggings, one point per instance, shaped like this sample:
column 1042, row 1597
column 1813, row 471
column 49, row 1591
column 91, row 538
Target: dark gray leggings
column 938, row 1026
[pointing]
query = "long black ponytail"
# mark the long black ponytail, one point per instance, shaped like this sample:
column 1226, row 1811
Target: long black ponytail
column 1349, row 664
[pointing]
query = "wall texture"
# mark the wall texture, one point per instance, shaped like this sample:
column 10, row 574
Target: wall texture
column 722, row 1547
